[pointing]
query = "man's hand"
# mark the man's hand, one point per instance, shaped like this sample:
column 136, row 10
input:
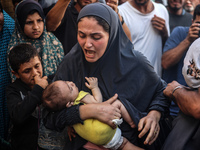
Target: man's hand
column 159, row 24
column 193, row 33
column 113, row 4
column 169, row 89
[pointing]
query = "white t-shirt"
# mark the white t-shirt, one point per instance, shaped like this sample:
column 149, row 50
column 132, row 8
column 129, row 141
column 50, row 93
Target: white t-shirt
column 145, row 38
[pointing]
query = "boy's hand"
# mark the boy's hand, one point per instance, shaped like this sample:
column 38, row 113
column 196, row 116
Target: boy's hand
column 41, row 81
column 93, row 82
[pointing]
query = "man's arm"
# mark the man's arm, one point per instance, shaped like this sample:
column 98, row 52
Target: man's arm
column 187, row 100
column 173, row 56
column 56, row 14
column 114, row 4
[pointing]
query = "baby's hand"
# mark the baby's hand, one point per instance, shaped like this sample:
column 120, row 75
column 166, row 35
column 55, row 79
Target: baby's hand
column 93, row 82
column 69, row 104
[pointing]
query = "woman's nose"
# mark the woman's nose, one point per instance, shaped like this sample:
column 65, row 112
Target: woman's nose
column 88, row 42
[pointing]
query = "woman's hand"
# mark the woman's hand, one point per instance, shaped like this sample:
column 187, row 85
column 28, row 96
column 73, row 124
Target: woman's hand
column 103, row 112
column 106, row 112
column 150, row 123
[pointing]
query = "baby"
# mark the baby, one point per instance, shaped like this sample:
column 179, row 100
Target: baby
column 61, row 94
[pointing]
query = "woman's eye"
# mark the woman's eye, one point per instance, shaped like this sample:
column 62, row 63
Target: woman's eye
column 96, row 37
column 29, row 22
column 81, row 35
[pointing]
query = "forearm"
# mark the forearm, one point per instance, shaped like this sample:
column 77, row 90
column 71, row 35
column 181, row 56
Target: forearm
column 56, row 14
column 173, row 56
column 97, row 95
column 125, row 28
column 188, row 101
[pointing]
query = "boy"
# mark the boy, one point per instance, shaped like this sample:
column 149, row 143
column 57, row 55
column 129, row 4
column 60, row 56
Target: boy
column 61, row 94
column 24, row 98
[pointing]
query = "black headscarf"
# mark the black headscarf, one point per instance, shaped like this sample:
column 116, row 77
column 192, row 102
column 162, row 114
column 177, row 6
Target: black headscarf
column 24, row 9
column 120, row 70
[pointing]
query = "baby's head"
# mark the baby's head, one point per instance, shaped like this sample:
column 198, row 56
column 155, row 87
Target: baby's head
column 191, row 66
column 58, row 94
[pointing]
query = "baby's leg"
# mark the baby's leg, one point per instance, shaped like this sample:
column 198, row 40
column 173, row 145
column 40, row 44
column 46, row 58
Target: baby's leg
column 124, row 113
column 126, row 145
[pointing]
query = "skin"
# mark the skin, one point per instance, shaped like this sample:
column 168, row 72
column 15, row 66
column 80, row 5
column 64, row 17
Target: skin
column 56, row 14
column 145, row 7
column 93, row 49
column 31, row 73
column 1, row 21
column 187, row 100
column 190, row 5
column 173, row 56
column 34, row 26
column 92, row 38
column 175, row 6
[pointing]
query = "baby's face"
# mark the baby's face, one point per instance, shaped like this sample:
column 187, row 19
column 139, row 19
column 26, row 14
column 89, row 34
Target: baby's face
column 69, row 90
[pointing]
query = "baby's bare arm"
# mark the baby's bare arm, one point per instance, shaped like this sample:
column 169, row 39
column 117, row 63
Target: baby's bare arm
column 124, row 113
column 93, row 86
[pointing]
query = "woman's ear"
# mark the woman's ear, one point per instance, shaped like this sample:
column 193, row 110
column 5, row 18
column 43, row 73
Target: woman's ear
column 15, row 73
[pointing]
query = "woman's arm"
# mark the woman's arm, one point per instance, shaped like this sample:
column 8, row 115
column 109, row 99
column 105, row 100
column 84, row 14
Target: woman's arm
column 104, row 112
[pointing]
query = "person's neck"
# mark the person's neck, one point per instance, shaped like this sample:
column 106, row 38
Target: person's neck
column 78, row 7
column 145, row 9
column 175, row 12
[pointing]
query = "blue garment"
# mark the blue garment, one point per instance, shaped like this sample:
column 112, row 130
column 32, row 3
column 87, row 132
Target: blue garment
column 5, row 35
column 175, row 72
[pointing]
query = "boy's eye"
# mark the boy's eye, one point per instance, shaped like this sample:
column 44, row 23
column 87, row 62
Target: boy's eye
column 26, row 71
column 36, row 66
column 39, row 20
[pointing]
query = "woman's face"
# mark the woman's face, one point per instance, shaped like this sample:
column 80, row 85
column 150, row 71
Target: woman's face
column 34, row 26
column 92, row 38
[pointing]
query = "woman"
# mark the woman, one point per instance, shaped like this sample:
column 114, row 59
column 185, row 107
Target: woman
column 105, row 52
column 30, row 28
column 7, row 25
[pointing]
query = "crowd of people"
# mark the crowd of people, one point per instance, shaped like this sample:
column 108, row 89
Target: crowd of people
column 100, row 75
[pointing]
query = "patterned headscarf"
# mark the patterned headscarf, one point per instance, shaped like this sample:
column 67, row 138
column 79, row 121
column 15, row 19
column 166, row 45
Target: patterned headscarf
column 48, row 46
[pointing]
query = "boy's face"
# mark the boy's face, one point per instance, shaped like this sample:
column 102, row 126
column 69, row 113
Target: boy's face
column 27, row 71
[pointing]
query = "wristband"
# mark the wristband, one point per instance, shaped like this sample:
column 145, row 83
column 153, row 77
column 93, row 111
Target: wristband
column 178, row 87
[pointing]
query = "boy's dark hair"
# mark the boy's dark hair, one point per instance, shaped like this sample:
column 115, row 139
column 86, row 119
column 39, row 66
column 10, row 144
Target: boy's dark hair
column 196, row 12
column 21, row 54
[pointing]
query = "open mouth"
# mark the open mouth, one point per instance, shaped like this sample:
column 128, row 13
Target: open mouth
column 90, row 53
